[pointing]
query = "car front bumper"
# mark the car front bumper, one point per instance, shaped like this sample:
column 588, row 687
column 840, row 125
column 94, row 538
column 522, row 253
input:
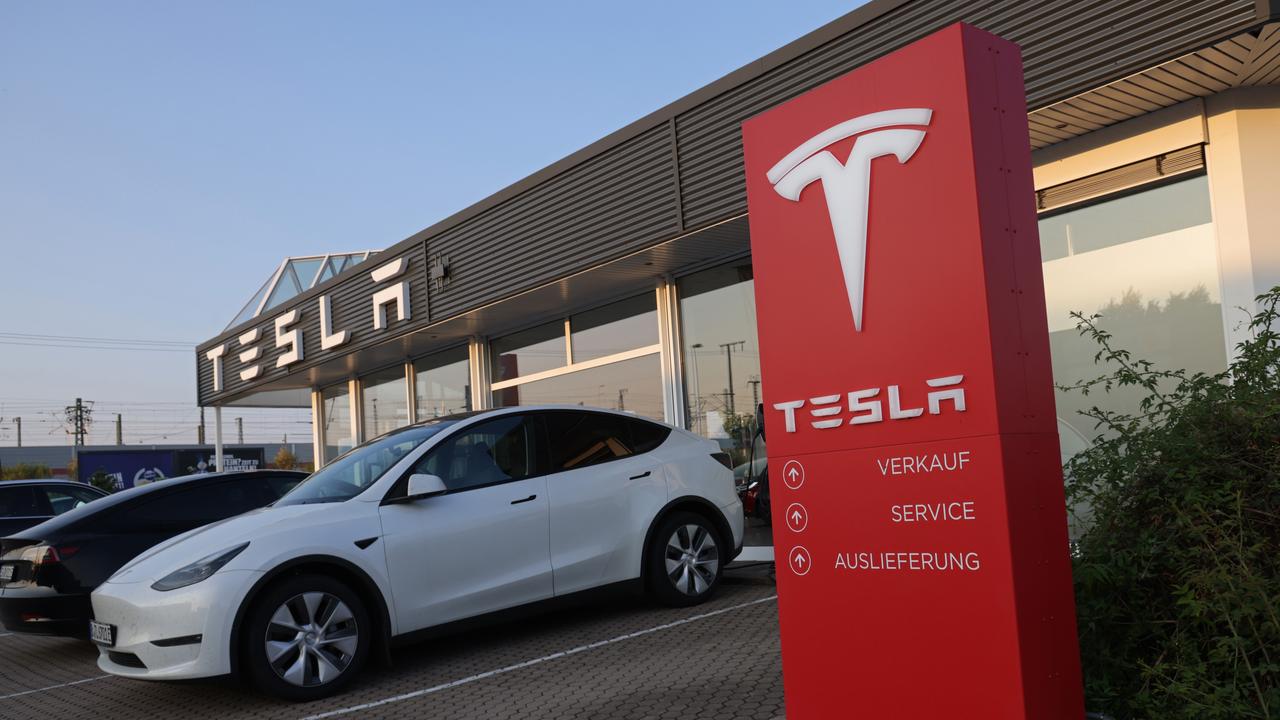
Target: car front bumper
column 171, row 635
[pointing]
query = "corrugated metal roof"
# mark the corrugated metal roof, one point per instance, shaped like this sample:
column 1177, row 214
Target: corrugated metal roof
column 1245, row 60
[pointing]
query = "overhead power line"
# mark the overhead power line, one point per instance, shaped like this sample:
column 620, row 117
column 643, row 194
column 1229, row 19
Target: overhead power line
column 133, row 341
column 80, row 342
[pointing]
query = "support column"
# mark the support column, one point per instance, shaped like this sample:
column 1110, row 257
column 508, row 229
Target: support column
column 673, row 407
column 411, row 391
column 1243, row 157
column 217, row 437
column 317, row 429
column 478, row 350
column 356, row 404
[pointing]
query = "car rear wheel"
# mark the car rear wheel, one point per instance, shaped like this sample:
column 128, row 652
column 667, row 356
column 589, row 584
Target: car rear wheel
column 308, row 636
column 685, row 560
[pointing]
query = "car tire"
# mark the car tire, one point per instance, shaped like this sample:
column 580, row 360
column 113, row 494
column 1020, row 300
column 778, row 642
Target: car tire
column 306, row 638
column 686, row 558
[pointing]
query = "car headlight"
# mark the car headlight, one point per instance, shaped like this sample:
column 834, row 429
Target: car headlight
column 198, row 570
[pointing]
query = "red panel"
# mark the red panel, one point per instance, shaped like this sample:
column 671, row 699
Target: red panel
column 914, row 391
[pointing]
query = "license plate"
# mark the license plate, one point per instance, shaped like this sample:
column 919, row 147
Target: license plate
column 102, row 633
column 6, row 573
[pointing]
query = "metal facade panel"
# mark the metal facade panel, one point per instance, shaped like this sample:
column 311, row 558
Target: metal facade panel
column 1068, row 48
column 351, row 304
column 604, row 208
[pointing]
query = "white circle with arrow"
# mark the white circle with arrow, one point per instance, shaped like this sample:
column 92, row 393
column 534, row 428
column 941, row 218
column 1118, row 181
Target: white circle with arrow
column 797, row 517
column 793, row 474
column 800, row 560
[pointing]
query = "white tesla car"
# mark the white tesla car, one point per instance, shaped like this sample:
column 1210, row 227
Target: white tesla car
column 448, row 520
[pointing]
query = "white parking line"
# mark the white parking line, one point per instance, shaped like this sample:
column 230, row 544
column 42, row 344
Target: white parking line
column 53, row 687
column 5, row 634
column 530, row 663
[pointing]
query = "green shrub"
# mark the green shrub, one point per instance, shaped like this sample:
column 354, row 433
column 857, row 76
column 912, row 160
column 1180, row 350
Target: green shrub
column 23, row 471
column 1177, row 570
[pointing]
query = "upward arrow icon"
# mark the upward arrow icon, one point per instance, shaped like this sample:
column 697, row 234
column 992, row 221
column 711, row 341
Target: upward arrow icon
column 800, row 560
column 796, row 516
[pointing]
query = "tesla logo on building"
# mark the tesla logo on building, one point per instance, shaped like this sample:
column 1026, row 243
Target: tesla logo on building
column 847, row 185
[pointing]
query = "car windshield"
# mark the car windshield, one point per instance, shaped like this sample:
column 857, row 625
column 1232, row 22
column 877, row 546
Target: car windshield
column 353, row 472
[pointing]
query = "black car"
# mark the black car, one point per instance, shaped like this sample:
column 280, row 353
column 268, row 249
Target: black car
column 24, row 503
column 47, row 571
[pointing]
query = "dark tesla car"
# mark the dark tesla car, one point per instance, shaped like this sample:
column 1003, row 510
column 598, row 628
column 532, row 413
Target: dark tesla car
column 47, row 571
column 24, row 503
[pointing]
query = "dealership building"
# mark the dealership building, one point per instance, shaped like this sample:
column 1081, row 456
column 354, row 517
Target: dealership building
column 621, row 276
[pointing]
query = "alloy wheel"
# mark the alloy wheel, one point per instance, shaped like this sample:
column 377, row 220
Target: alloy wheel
column 693, row 559
column 311, row 639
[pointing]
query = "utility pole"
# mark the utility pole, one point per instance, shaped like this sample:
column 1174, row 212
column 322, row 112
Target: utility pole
column 18, row 421
column 622, row 404
column 200, row 429
column 728, row 355
column 119, row 430
column 79, row 416
column 755, row 391
column 239, row 431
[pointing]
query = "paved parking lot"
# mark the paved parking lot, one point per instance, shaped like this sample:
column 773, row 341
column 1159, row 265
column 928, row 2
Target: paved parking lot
column 623, row 659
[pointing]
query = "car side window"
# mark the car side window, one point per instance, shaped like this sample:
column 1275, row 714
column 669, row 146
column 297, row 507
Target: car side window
column 191, row 508
column 274, row 487
column 579, row 439
column 487, row 453
column 645, row 435
column 62, row 499
column 23, row 501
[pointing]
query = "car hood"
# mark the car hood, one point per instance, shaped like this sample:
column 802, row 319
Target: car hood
column 193, row 545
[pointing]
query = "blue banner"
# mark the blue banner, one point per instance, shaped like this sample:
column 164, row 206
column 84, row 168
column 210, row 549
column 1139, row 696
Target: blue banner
column 126, row 468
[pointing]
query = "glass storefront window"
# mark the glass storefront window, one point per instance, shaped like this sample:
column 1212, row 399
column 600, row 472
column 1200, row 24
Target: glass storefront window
column 529, row 351
column 722, row 379
column 442, row 383
column 633, row 385
column 336, row 406
column 721, row 354
column 385, row 397
column 1147, row 263
column 615, row 328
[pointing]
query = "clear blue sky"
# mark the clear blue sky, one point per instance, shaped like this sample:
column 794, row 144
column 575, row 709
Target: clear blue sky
column 158, row 159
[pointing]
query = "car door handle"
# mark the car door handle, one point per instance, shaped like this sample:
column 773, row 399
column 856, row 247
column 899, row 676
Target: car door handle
column 644, row 474
column 525, row 500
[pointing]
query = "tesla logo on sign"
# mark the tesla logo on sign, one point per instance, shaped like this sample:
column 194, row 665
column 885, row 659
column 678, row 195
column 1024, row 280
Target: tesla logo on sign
column 847, row 185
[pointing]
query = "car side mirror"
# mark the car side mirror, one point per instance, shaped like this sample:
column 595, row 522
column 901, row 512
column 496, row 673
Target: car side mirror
column 424, row 486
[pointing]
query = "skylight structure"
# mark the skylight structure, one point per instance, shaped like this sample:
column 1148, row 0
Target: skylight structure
column 294, row 276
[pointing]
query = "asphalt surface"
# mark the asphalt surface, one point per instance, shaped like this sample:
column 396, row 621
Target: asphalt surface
column 624, row 658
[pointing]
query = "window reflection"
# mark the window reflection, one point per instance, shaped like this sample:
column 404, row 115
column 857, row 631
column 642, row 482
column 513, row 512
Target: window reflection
column 721, row 355
column 338, row 436
column 529, row 351
column 631, row 385
column 385, row 401
column 615, row 328
column 1147, row 263
column 442, row 384
column 722, row 379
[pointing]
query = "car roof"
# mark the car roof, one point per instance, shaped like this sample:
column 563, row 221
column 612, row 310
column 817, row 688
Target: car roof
column 472, row 414
column 61, row 522
column 43, row 481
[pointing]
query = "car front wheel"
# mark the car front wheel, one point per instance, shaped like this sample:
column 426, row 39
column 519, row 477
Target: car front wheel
column 685, row 560
column 307, row 637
